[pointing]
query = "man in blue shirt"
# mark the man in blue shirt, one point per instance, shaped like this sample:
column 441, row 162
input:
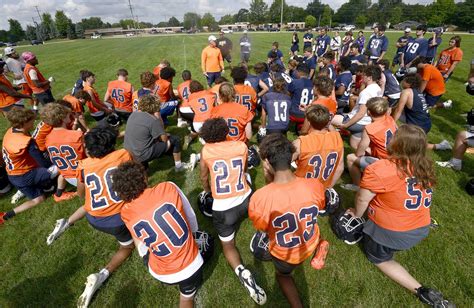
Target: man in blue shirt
column 377, row 45
column 308, row 40
column 433, row 43
column 301, row 91
column 310, row 60
column 275, row 49
column 245, row 46
column 401, row 43
column 356, row 58
column 416, row 48
column 343, row 84
column 322, row 43
column 276, row 105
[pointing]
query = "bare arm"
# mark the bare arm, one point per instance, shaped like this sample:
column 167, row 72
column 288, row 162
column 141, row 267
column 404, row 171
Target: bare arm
column 264, row 88
column 451, row 68
column 248, row 130
column 363, row 197
column 263, row 119
column 12, row 92
column 423, row 85
column 401, row 105
column 339, row 170
column 297, row 145
column 359, row 115
column 363, row 145
column 204, row 175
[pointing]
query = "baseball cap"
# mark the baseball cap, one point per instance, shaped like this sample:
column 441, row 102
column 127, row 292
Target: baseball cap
column 407, row 29
column 245, row 31
column 211, row 38
column 28, row 56
column 9, row 51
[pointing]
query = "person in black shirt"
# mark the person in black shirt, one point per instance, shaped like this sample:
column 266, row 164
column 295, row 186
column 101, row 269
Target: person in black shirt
column 225, row 45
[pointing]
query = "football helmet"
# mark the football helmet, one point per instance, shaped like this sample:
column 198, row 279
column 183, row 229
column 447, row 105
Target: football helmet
column 114, row 120
column 205, row 243
column 259, row 246
column 253, row 159
column 347, row 227
column 262, row 132
column 332, row 202
column 205, row 201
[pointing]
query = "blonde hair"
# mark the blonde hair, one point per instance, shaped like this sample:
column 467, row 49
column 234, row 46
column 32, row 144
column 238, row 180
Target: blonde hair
column 226, row 92
column 54, row 114
column 378, row 106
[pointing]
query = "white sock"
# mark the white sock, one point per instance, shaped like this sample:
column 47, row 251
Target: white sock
column 177, row 163
column 456, row 162
column 105, row 273
column 238, row 269
column 198, row 156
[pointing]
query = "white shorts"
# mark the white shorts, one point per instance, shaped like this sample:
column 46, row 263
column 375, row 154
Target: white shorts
column 470, row 138
column 72, row 181
column 197, row 126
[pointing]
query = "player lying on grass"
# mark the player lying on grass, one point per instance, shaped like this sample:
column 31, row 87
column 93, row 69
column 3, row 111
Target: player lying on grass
column 223, row 167
column 168, row 249
column 26, row 166
column 397, row 193
column 286, row 201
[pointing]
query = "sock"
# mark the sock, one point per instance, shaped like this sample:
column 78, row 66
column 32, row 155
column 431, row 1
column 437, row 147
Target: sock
column 239, row 269
column 456, row 162
column 198, row 156
column 105, row 273
column 9, row 214
column 177, row 163
column 59, row 192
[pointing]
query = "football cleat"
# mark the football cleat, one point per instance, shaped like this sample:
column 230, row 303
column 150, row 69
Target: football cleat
column 256, row 292
column 17, row 196
column 205, row 201
column 433, row 298
column 332, row 202
column 61, row 226
column 448, row 164
column 259, row 246
column 262, row 133
column 193, row 159
column 94, row 282
column 470, row 187
column 253, row 159
column 347, row 227
column 67, row 195
column 205, row 243
column 319, row 258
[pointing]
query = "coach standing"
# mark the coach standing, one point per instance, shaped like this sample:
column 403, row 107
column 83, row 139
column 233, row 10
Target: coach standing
column 39, row 85
column 245, row 46
column 225, row 45
column 212, row 63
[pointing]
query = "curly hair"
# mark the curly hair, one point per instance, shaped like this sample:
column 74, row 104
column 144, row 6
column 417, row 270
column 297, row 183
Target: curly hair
column 407, row 150
column 18, row 117
column 147, row 79
column 278, row 150
column 100, row 141
column 214, row 130
column 129, row 180
column 54, row 114
column 149, row 103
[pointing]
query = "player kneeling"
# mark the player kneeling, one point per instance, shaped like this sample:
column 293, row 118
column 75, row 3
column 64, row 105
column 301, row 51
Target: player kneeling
column 287, row 210
column 162, row 223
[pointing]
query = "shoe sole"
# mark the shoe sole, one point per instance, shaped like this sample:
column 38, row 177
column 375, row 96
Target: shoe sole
column 320, row 255
column 86, row 296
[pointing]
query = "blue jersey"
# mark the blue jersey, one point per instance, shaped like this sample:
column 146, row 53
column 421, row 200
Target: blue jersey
column 253, row 81
column 377, row 45
column 265, row 77
column 308, row 36
column 418, row 114
column 284, row 76
column 277, row 107
column 301, row 91
column 344, row 79
column 403, row 39
column 332, row 71
column 418, row 47
column 322, row 44
column 392, row 86
column 431, row 53
column 311, row 62
column 278, row 52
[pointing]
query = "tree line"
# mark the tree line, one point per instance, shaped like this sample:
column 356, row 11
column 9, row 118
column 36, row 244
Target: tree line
column 358, row 12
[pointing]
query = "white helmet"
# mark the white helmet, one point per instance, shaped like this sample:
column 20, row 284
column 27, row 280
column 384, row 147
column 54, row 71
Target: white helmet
column 212, row 38
column 9, row 51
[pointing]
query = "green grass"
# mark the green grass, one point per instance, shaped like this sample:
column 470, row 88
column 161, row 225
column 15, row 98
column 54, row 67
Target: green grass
column 33, row 274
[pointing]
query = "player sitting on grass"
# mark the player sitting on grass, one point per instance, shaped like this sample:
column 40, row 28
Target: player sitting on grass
column 231, row 195
column 397, row 192
column 323, row 87
column 183, row 94
column 65, row 147
column 147, row 80
column 162, row 212
column 238, row 117
column 119, row 94
column 343, row 84
column 244, row 94
column 164, row 90
column 77, row 107
column 97, row 108
column 217, row 84
column 276, row 105
column 25, row 164
column 319, row 152
column 9, row 96
column 157, row 69
column 375, row 137
column 285, row 201
column 301, row 91
column 202, row 103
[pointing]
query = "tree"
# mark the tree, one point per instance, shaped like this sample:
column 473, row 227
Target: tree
column 192, row 20
column 162, row 24
column 242, row 16
column 295, row 13
column 49, row 26
column 3, row 35
column 30, row 32
column 310, row 21
column 274, row 13
column 441, row 12
column 208, row 20
column 127, row 23
column 361, row 21
column 348, row 12
column 326, row 16
column 62, row 23
column 258, row 11
column 226, row 20
column 71, row 30
column 173, row 22
column 92, row 23
column 79, row 30
column 464, row 13
column 315, row 8
column 395, row 15
column 16, row 32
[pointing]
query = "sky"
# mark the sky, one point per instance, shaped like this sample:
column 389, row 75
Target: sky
column 146, row 10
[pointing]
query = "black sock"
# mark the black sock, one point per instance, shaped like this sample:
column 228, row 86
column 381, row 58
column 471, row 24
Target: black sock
column 59, row 192
column 9, row 214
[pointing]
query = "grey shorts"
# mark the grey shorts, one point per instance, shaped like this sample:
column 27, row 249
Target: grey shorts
column 355, row 129
column 470, row 139
column 365, row 161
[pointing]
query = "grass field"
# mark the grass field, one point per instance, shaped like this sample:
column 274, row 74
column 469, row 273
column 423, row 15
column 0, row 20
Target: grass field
column 35, row 275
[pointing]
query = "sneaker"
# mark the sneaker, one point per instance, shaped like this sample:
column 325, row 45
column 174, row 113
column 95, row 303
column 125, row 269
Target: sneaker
column 319, row 257
column 247, row 280
column 181, row 167
column 433, row 223
column 17, row 196
column 61, row 226
column 193, row 159
column 444, row 145
column 94, row 282
column 53, row 171
column 448, row 104
column 2, row 220
column 182, row 123
column 67, row 195
column 351, row 187
column 448, row 164
column 187, row 141
column 433, row 298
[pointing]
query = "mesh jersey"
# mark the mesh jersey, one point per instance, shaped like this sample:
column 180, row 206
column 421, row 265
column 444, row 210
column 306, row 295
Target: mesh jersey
column 92, row 108
column 277, row 107
column 5, row 99
column 246, row 96
column 380, row 133
column 162, row 90
column 447, row 57
column 183, row 90
column 42, row 130
column 202, row 103
column 66, row 149
column 237, row 117
column 18, row 160
column 77, row 107
column 31, row 84
column 121, row 93
column 327, row 102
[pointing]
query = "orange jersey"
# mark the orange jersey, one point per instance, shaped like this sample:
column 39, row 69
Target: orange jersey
column 77, row 107
column 380, row 133
column 246, row 96
column 156, row 71
column 183, row 90
column 31, row 84
column 18, row 160
column 288, row 214
column 162, row 90
column 237, row 117
column 327, row 102
column 447, row 57
column 400, row 204
column 202, row 103
column 66, row 149
column 96, row 174
column 215, row 89
column 42, row 130
column 435, row 85
column 92, row 108
column 5, row 99
column 121, row 94
column 320, row 154
column 157, row 219
column 211, row 60
column 227, row 162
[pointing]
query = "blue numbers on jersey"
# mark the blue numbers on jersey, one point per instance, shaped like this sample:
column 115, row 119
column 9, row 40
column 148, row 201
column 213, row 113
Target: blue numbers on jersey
column 288, row 222
column 95, row 186
column 117, row 94
column 233, row 129
column 244, row 100
column 185, row 93
column 416, row 196
column 7, row 160
column 69, row 160
column 203, row 103
column 280, row 111
column 388, row 137
column 221, row 168
column 161, row 218
column 317, row 162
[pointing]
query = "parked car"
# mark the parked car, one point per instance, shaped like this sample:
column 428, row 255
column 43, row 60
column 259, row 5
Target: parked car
column 227, row 31
column 2, row 44
column 36, row 42
column 169, row 31
column 130, row 34
column 96, row 36
column 349, row 27
column 11, row 44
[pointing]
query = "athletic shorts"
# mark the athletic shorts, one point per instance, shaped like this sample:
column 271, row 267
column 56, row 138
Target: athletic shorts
column 211, row 77
column 355, row 129
column 227, row 57
column 392, row 101
column 33, row 182
column 431, row 100
column 365, row 161
column 227, row 222
column 375, row 252
column 72, row 181
column 197, row 126
column 159, row 149
column 121, row 233
column 283, row 267
column 45, row 97
column 470, row 139
column 245, row 57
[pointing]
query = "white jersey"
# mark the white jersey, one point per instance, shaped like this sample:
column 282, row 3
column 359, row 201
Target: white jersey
column 16, row 67
column 372, row 90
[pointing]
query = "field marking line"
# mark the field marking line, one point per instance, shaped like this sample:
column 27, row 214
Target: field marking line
column 184, row 51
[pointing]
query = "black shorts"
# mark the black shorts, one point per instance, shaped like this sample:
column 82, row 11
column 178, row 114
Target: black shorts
column 375, row 252
column 227, row 222
column 283, row 267
column 121, row 233
column 124, row 115
column 45, row 97
column 227, row 57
